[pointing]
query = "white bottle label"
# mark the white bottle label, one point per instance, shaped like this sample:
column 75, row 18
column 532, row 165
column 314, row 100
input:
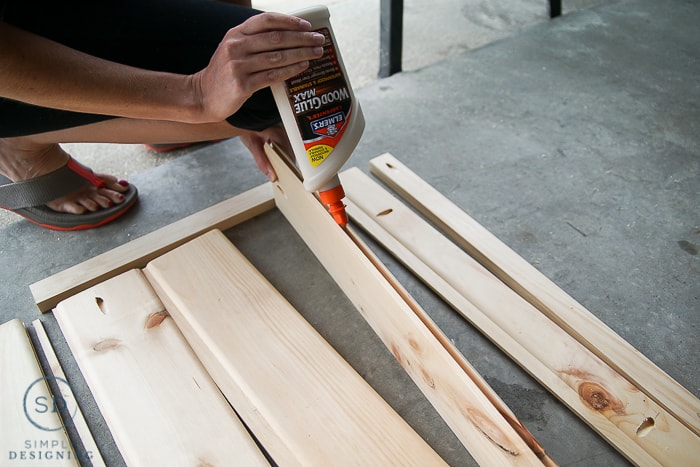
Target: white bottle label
column 321, row 101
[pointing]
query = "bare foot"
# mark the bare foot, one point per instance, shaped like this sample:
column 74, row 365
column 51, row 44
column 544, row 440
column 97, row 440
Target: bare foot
column 21, row 159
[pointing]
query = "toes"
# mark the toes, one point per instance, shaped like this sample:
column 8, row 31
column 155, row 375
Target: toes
column 107, row 198
column 95, row 202
column 113, row 183
column 70, row 207
column 90, row 199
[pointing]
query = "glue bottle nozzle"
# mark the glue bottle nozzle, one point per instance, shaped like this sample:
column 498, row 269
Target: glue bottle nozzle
column 333, row 199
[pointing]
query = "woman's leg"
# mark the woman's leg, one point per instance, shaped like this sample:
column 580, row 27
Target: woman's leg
column 158, row 34
column 27, row 157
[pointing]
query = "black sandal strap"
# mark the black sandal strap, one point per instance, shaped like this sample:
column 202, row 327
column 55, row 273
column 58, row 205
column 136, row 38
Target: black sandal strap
column 40, row 190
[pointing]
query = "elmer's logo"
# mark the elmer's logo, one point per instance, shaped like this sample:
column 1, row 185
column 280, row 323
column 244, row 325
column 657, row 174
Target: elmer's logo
column 329, row 126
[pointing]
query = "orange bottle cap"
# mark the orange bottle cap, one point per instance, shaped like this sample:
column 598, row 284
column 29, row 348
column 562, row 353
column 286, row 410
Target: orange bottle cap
column 333, row 199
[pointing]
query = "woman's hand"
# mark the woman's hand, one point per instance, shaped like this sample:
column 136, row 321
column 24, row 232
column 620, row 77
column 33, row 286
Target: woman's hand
column 255, row 142
column 265, row 49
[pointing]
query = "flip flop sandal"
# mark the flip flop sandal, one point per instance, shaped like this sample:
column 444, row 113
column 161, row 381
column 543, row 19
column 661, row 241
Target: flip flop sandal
column 28, row 198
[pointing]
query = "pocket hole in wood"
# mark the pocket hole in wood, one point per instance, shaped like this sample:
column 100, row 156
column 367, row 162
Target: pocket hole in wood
column 101, row 304
column 389, row 165
column 646, row 426
column 281, row 190
column 385, row 212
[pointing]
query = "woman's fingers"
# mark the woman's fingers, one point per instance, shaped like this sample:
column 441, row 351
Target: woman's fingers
column 280, row 40
column 265, row 49
column 270, row 21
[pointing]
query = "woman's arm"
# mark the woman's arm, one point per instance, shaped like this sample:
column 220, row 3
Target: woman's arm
column 265, row 49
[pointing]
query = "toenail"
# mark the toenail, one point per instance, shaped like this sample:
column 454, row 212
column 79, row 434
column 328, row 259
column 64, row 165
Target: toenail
column 123, row 183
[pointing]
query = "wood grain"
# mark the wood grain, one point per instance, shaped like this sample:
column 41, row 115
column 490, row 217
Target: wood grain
column 159, row 402
column 630, row 421
column 531, row 284
column 466, row 410
column 302, row 401
column 135, row 254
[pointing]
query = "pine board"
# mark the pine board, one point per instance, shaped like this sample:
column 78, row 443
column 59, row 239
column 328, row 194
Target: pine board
column 135, row 254
column 31, row 432
column 304, row 403
column 599, row 395
column 159, row 402
column 551, row 300
column 468, row 412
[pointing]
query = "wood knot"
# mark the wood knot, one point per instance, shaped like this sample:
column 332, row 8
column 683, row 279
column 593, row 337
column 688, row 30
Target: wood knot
column 427, row 378
column 106, row 344
column 491, row 431
column 599, row 399
column 397, row 353
column 154, row 319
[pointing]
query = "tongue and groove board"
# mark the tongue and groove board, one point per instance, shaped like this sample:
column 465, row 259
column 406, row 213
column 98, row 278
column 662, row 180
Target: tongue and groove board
column 476, row 422
column 638, row 427
column 303, row 402
column 31, row 432
column 531, row 284
column 159, row 402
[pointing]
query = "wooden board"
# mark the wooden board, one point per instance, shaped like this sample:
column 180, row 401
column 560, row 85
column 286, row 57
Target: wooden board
column 31, row 431
column 525, row 279
column 157, row 399
column 603, row 398
column 90, row 450
column 135, row 254
column 452, row 350
column 474, row 420
column 304, row 403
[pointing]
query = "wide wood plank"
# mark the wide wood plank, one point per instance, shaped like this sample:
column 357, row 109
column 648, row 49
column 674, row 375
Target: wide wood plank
column 599, row 395
column 90, row 449
column 159, row 402
column 135, row 254
column 466, row 410
column 31, row 431
column 303, row 402
column 551, row 300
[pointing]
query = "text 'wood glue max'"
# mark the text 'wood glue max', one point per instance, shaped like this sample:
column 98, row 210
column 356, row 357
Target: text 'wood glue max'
column 322, row 118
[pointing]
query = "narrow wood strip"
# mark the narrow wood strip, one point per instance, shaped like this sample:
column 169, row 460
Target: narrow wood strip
column 91, row 451
column 484, row 324
column 158, row 400
column 135, row 254
column 467, row 367
column 551, row 300
column 302, row 401
column 31, row 430
column 465, row 409
column 599, row 395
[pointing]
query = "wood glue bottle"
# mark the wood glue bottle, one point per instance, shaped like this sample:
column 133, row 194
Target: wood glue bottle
column 322, row 118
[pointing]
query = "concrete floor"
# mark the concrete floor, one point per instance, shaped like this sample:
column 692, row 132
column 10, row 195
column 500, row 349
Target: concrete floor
column 576, row 142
